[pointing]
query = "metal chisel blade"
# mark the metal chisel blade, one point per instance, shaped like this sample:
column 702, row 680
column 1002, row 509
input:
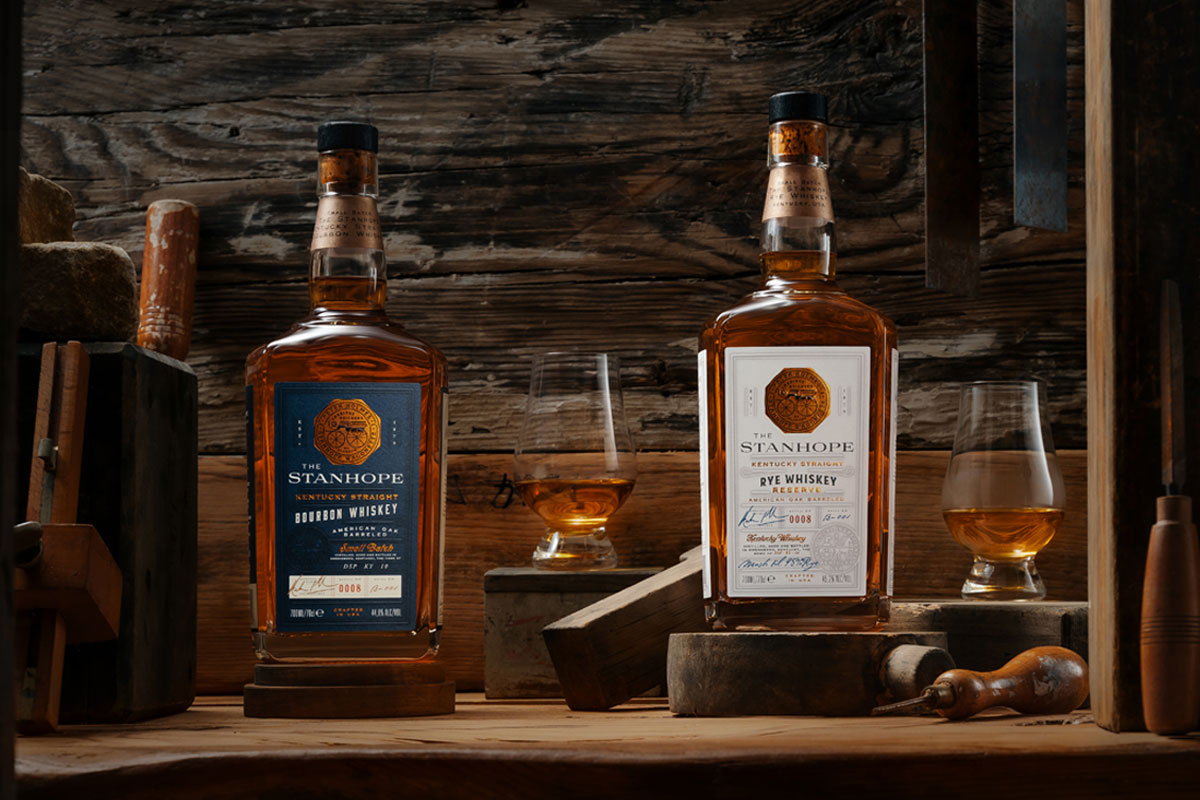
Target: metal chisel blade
column 1170, row 347
column 1040, row 113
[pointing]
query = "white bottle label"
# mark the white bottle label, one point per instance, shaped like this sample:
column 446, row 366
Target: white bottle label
column 797, row 457
column 702, row 383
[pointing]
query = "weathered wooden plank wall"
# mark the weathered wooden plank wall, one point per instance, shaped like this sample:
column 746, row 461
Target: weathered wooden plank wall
column 554, row 174
column 562, row 174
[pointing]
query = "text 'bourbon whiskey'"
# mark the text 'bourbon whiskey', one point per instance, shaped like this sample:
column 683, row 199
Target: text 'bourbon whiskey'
column 346, row 447
column 797, row 438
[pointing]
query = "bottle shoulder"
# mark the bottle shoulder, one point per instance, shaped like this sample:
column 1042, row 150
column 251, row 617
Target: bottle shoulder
column 816, row 317
column 317, row 350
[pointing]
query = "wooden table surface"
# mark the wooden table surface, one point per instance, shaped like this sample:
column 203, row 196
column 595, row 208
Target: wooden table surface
column 541, row 749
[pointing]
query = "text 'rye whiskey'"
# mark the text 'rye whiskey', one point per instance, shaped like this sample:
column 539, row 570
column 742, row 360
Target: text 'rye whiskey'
column 797, row 438
column 346, row 447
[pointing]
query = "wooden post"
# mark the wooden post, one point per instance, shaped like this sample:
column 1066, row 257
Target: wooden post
column 1142, row 101
column 10, row 147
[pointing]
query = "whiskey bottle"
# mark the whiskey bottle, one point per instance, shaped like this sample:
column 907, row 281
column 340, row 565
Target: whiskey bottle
column 346, row 447
column 797, row 416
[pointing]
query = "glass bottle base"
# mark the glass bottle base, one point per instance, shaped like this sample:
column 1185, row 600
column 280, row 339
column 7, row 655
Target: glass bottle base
column 276, row 647
column 575, row 552
column 799, row 614
column 1003, row 580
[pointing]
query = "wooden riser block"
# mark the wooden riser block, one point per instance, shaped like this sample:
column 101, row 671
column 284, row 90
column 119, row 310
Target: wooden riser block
column 518, row 602
column 349, row 691
column 736, row 673
column 984, row 635
column 403, row 673
column 349, row 702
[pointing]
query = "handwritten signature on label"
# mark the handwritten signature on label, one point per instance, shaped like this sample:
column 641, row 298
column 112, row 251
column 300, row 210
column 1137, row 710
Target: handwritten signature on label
column 334, row 586
column 798, row 563
column 756, row 517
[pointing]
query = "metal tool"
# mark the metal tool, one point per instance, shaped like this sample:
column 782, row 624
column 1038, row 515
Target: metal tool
column 951, row 146
column 1041, row 680
column 1170, row 627
column 1040, row 113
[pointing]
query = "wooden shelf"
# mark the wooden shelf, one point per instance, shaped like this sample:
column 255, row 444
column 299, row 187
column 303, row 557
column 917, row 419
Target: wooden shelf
column 541, row 749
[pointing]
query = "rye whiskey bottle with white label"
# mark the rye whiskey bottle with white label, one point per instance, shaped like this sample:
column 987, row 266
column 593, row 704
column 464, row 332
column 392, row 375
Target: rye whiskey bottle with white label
column 346, row 447
column 797, row 430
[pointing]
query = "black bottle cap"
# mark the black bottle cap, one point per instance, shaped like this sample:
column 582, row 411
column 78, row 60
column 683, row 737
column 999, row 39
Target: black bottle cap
column 797, row 105
column 347, row 136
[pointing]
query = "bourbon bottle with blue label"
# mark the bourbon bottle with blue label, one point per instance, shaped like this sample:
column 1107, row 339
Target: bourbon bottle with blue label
column 346, row 447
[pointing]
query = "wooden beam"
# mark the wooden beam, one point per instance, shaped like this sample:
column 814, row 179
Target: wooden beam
column 1143, row 79
column 10, row 148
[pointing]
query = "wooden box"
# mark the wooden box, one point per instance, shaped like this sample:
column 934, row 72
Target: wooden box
column 138, row 488
column 518, row 603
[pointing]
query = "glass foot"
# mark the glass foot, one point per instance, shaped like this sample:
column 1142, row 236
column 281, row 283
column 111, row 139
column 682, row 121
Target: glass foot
column 1003, row 580
column 575, row 551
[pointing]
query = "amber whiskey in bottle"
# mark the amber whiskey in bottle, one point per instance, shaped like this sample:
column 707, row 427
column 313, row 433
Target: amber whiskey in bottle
column 346, row 447
column 797, row 418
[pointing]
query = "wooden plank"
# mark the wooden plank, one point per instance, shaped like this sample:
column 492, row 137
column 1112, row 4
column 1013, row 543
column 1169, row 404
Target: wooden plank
column 951, row 146
column 616, row 648
column 1015, row 333
column 1139, row 58
column 10, row 151
column 616, row 178
column 61, row 413
column 488, row 526
column 42, row 638
column 638, row 751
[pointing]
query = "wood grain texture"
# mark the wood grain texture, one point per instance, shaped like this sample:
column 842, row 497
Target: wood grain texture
column 586, row 175
column 139, row 491
column 638, row 751
column 10, row 288
column 488, row 526
column 740, row 673
column 1142, row 58
column 1103, row 599
column 616, row 648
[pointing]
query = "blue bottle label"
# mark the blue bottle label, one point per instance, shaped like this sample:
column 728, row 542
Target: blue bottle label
column 346, row 505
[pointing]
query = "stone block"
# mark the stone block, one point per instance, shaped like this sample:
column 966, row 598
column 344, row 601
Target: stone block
column 47, row 211
column 77, row 290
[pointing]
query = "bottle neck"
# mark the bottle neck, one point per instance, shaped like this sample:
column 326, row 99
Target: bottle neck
column 347, row 276
column 798, row 241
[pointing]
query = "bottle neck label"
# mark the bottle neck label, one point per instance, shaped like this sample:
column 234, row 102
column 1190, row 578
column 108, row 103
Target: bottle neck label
column 347, row 221
column 795, row 190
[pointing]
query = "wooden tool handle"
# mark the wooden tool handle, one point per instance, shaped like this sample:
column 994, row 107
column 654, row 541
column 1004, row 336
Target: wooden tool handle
column 1042, row 680
column 1170, row 646
column 169, row 277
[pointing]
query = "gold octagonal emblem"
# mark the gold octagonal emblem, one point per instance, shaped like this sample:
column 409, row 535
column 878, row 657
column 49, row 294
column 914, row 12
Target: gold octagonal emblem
column 797, row 400
column 347, row 432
